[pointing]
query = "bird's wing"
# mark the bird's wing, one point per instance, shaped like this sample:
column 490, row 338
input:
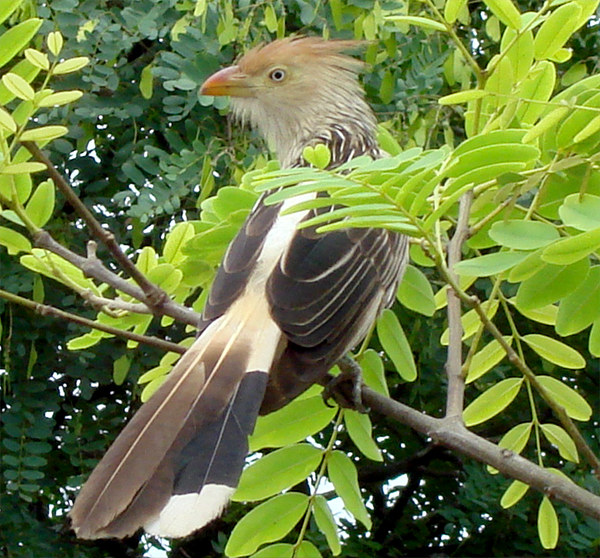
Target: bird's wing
column 325, row 293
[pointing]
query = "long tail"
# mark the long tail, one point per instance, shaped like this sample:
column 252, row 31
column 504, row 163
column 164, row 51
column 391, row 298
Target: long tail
column 175, row 465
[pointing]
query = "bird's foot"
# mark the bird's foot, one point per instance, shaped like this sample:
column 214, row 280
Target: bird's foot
column 345, row 388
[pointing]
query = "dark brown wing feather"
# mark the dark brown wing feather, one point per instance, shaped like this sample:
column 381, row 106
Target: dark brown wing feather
column 324, row 295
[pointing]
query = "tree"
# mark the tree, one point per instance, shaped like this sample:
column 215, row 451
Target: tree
column 493, row 132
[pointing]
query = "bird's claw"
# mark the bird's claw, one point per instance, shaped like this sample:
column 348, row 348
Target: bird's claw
column 346, row 388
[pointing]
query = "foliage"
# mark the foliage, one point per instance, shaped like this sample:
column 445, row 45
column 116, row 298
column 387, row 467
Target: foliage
column 517, row 124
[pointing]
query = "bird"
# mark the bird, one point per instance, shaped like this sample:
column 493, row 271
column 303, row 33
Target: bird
column 286, row 304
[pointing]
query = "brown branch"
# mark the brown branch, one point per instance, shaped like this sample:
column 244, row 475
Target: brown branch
column 456, row 381
column 94, row 268
column 46, row 310
column 451, row 433
column 154, row 296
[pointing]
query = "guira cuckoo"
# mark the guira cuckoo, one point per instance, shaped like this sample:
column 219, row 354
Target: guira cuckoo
column 285, row 306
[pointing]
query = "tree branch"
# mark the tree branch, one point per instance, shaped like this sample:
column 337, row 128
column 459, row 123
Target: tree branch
column 451, row 433
column 46, row 310
column 456, row 381
column 94, row 268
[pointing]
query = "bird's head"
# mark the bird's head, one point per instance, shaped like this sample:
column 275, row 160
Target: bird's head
column 293, row 90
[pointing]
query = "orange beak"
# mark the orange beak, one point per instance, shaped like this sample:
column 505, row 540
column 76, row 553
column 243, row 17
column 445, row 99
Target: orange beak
column 228, row 81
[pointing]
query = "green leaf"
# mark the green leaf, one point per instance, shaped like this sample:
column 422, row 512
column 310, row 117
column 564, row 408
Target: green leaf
column 547, row 523
column 307, row 550
column 517, row 46
column 582, row 307
column 147, row 81
column 551, row 283
column 373, row 371
column 573, row 249
column 394, row 343
column 37, row 58
column 490, row 264
column 7, row 7
column 513, row 493
column 71, row 65
column 517, row 437
column 165, row 276
column 270, row 521
column 463, row 97
column 556, row 30
column 319, row 155
column 360, row 429
column 41, row 204
column 57, row 268
column 558, row 437
column 548, row 122
column 17, row 38
column 15, row 242
column 492, row 401
column 38, row 448
column 120, row 369
column 545, row 315
column 18, row 86
column 61, row 98
column 342, row 473
column 284, row 468
column 176, row 239
column 55, row 42
column 575, row 405
column 7, row 122
column 281, row 550
column 423, row 22
column 506, row 12
column 488, row 160
column 295, row 422
column 486, row 358
column 23, row 168
column 45, row 133
column 594, row 341
column 537, row 85
column 523, row 235
column 326, row 524
column 415, row 292
column 554, row 351
column 581, row 211
column 84, row 341
column 452, row 9
column 471, row 322
column 588, row 130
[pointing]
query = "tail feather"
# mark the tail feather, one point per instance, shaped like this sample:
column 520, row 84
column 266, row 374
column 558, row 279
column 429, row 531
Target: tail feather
column 211, row 463
column 152, row 457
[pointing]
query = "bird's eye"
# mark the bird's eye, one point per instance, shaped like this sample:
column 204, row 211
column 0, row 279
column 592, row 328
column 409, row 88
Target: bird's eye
column 277, row 75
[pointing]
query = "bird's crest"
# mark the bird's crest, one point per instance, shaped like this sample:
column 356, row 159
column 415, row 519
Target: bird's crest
column 304, row 51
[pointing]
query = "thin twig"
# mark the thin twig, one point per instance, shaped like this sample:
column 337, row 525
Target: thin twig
column 558, row 410
column 456, row 379
column 153, row 295
column 46, row 310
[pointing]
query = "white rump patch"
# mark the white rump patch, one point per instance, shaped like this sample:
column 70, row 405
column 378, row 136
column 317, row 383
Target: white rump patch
column 186, row 513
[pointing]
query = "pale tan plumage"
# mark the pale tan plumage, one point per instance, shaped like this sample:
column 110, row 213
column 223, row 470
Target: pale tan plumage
column 285, row 305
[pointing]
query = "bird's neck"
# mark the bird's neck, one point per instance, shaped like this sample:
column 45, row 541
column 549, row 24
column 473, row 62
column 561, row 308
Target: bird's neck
column 347, row 128
column 345, row 139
